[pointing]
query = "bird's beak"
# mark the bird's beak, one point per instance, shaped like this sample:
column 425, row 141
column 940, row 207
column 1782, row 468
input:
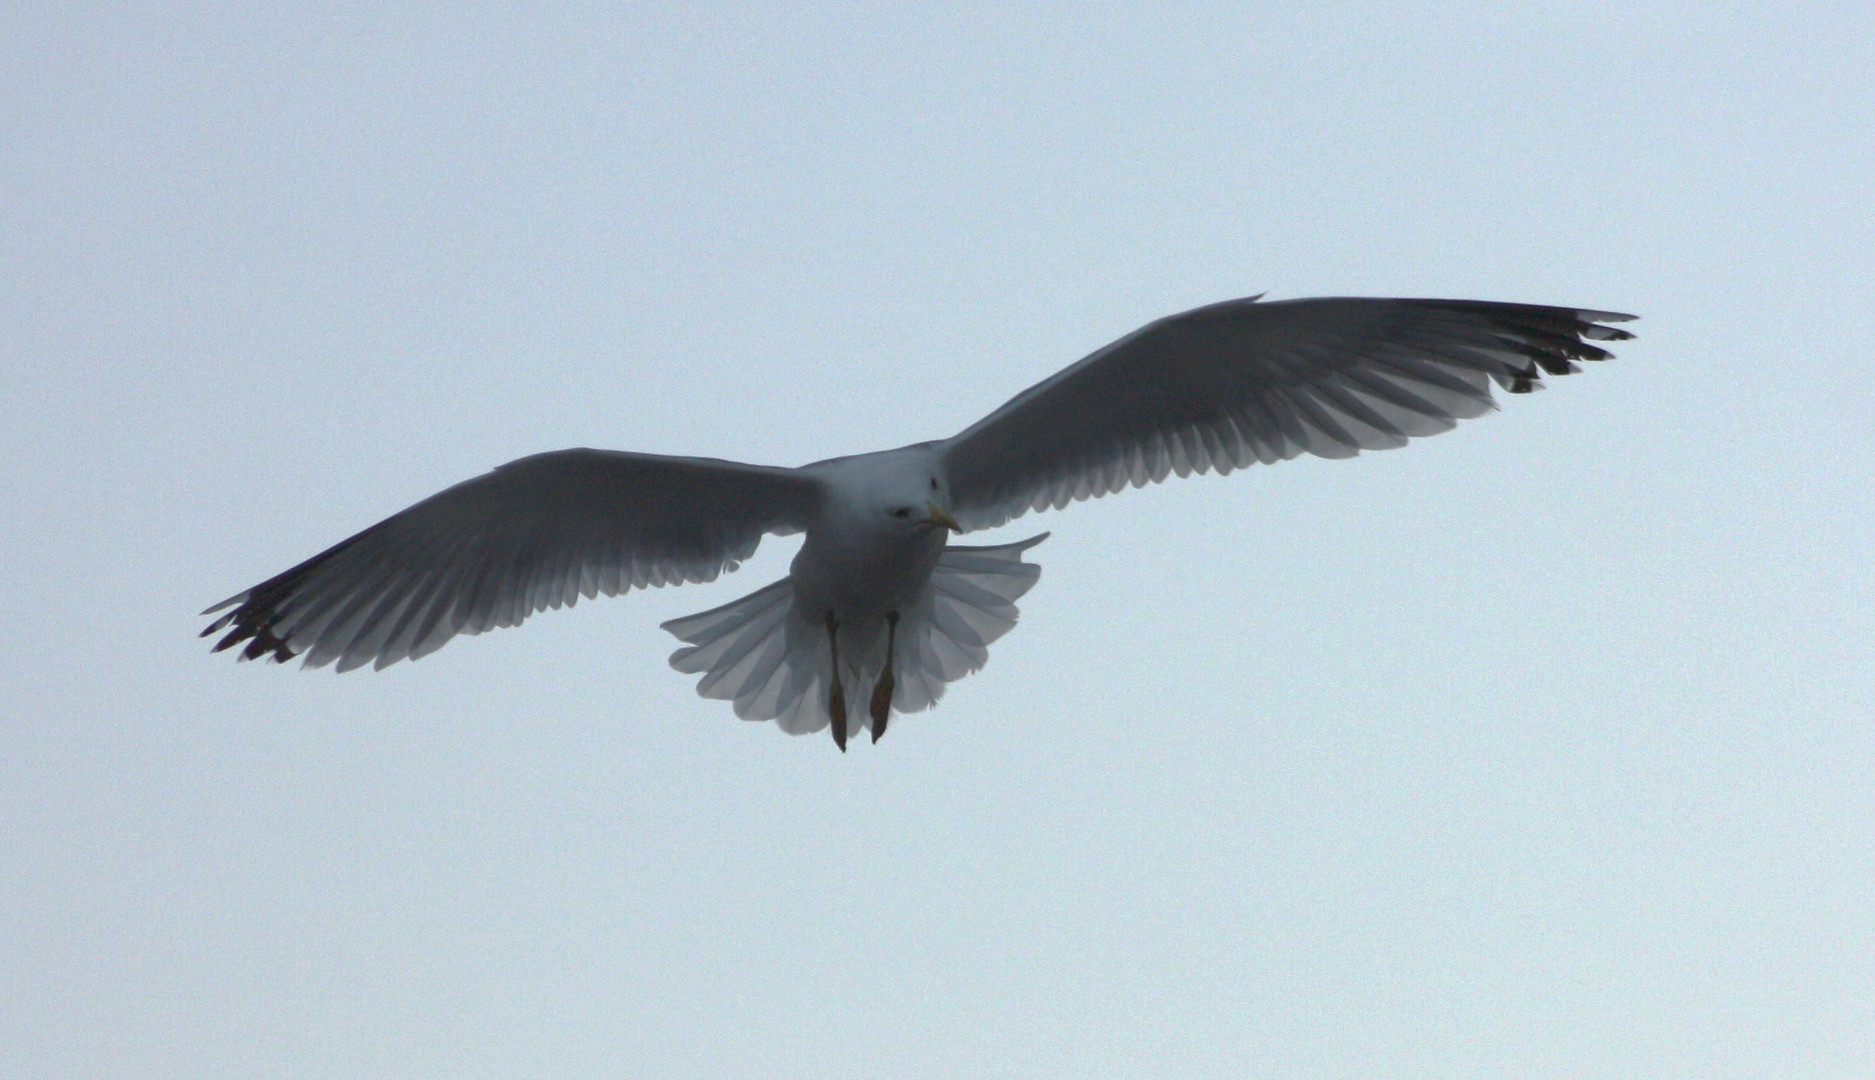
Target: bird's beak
column 940, row 517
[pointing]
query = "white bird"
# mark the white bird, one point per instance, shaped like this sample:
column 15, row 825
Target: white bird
column 878, row 612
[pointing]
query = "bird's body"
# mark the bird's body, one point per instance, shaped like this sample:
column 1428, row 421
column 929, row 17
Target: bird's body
column 857, row 560
column 879, row 612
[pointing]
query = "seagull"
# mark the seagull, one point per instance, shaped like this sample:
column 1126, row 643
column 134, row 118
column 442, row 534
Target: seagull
column 879, row 611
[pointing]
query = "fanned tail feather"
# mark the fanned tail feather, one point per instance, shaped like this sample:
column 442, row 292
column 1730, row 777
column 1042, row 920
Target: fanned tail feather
column 771, row 659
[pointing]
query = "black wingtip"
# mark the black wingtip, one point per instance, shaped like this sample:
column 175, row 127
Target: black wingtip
column 252, row 624
column 260, row 642
column 258, row 610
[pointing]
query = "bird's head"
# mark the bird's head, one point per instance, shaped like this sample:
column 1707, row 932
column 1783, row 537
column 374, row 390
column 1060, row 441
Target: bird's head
column 913, row 498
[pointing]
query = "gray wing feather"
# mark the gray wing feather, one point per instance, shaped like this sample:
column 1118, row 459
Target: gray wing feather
column 534, row 534
column 1232, row 384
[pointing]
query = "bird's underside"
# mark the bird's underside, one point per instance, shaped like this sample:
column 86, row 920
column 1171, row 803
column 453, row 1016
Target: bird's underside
column 773, row 656
column 1220, row 387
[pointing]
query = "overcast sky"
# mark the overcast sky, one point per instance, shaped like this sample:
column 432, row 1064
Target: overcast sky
column 1542, row 748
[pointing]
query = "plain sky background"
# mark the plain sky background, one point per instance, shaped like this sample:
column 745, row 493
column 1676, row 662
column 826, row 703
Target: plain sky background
column 1542, row 748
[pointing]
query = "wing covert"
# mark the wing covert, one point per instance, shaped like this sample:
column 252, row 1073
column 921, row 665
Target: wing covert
column 1239, row 382
column 536, row 533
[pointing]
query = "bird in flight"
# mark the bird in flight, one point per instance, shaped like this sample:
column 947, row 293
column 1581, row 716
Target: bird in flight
column 879, row 611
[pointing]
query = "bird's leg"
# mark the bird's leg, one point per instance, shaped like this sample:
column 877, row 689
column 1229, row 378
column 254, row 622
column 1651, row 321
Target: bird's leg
column 882, row 693
column 836, row 700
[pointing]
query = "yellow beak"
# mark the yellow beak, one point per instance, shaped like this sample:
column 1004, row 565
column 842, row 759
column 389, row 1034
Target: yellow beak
column 940, row 517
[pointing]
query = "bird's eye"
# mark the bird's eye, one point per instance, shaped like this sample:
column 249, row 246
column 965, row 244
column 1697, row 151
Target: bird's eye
column 902, row 512
column 934, row 483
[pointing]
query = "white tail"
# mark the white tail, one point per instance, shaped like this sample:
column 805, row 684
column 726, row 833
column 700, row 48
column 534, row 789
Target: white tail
column 772, row 659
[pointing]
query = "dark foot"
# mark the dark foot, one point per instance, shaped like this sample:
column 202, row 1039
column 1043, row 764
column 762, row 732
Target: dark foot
column 836, row 699
column 836, row 708
column 882, row 693
column 881, row 705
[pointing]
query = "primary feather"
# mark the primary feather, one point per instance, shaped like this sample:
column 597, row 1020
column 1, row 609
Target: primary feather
column 1241, row 382
column 536, row 533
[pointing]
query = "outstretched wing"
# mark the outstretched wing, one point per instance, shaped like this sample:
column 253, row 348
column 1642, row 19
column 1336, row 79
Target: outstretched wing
column 1229, row 384
column 535, row 533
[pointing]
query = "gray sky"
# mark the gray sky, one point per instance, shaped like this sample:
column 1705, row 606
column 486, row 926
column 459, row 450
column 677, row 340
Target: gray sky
column 1542, row 748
